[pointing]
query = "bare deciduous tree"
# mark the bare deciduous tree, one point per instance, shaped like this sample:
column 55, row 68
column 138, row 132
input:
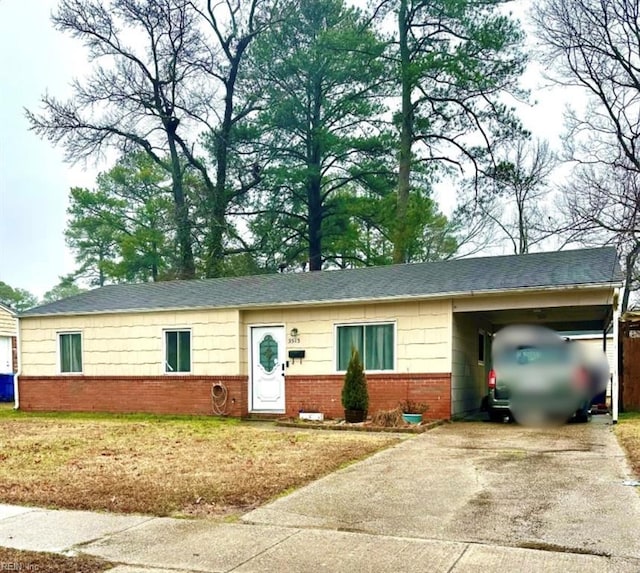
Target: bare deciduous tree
column 603, row 207
column 516, row 194
column 235, row 24
column 146, row 54
column 594, row 45
column 158, row 82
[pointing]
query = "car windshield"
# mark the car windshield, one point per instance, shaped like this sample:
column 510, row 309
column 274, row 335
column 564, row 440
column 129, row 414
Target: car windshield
column 523, row 355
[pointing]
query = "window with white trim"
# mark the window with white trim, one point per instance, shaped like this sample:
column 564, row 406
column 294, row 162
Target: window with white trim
column 481, row 346
column 70, row 352
column 375, row 343
column 177, row 350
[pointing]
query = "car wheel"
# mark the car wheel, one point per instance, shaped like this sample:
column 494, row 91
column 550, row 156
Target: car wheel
column 496, row 416
column 582, row 416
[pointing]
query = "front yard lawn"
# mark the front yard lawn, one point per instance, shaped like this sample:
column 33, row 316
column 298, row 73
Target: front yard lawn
column 160, row 465
column 628, row 432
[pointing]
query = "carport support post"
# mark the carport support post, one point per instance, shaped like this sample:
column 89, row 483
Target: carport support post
column 615, row 388
column 605, row 330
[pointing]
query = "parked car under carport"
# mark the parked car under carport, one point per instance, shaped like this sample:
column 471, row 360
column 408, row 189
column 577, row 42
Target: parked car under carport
column 537, row 376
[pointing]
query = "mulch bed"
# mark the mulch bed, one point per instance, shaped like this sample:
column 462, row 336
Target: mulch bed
column 340, row 425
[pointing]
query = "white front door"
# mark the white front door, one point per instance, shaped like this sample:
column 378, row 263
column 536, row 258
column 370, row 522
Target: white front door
column 267, row 368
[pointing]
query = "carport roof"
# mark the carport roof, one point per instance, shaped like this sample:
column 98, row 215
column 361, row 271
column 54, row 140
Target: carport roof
column 572, row 268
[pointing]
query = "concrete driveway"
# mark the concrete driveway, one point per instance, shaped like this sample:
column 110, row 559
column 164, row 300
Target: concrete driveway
column 557, row 489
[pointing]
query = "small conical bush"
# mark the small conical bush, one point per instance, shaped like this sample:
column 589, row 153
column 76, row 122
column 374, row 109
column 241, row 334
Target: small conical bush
column 355, row 395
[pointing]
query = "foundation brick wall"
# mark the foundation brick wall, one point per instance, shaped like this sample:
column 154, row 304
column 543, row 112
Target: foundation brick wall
column 385, row 391
column 192, row 394
column 127, row 394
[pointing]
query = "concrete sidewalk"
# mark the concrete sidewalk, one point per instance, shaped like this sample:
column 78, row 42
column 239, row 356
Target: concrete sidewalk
column 139, row 544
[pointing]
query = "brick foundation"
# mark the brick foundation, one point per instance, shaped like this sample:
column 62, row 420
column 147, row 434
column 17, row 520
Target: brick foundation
column 192, row 394
column 385, row 391
column 125, row 394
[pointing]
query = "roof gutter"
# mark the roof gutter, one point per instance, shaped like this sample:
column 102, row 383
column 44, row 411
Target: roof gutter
column 306, row 303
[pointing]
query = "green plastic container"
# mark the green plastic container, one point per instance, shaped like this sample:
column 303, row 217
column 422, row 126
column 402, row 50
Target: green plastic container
column 412, row 418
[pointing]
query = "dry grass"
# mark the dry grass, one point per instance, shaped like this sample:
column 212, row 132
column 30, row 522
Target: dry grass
column 628, row 432
column 388, row 418
column 14, row 560
column 162, row 466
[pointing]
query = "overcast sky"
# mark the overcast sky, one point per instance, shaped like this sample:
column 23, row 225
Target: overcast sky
column 34, row 180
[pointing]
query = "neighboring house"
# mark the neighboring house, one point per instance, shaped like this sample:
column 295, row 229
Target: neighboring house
column 594, row 342
column 280, row 343
column 8, row 352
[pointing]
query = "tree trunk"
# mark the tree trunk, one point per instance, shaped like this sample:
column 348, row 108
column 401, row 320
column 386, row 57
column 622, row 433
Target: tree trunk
column 216, row 202
column 187, row 269
column 314, row 180
column 400, row 241
column 215, row 237
column 523, row 244
column 101, row 277
column 216, row 214
column 315, row 222
column 154, row 264
column 630, row 263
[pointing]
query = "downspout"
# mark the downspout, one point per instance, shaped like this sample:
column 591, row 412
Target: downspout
column 615, row 381
column 16, row 386
column 605, row 328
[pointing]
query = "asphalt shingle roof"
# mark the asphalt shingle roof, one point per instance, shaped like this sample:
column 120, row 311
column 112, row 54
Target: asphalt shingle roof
column 455, row 277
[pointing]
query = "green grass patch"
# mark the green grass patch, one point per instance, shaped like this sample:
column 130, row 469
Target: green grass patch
column 627, row 416
column 10, row 413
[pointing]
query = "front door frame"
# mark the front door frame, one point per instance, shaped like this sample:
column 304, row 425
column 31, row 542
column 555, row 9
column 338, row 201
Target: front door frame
column 250, row 328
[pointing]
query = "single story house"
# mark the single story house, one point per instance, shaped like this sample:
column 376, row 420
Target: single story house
column 8, row 352
column 280, row 343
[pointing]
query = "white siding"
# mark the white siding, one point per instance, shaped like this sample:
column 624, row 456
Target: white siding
column 8, row 323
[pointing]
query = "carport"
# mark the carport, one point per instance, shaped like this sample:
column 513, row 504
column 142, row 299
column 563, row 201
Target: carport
column 571, row 306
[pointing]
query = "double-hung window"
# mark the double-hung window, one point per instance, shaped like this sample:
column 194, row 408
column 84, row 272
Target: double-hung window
column 374, row 342
column 70, row 352
column 177, row 344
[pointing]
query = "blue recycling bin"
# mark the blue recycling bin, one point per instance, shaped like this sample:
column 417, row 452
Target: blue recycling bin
column 6, row 388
